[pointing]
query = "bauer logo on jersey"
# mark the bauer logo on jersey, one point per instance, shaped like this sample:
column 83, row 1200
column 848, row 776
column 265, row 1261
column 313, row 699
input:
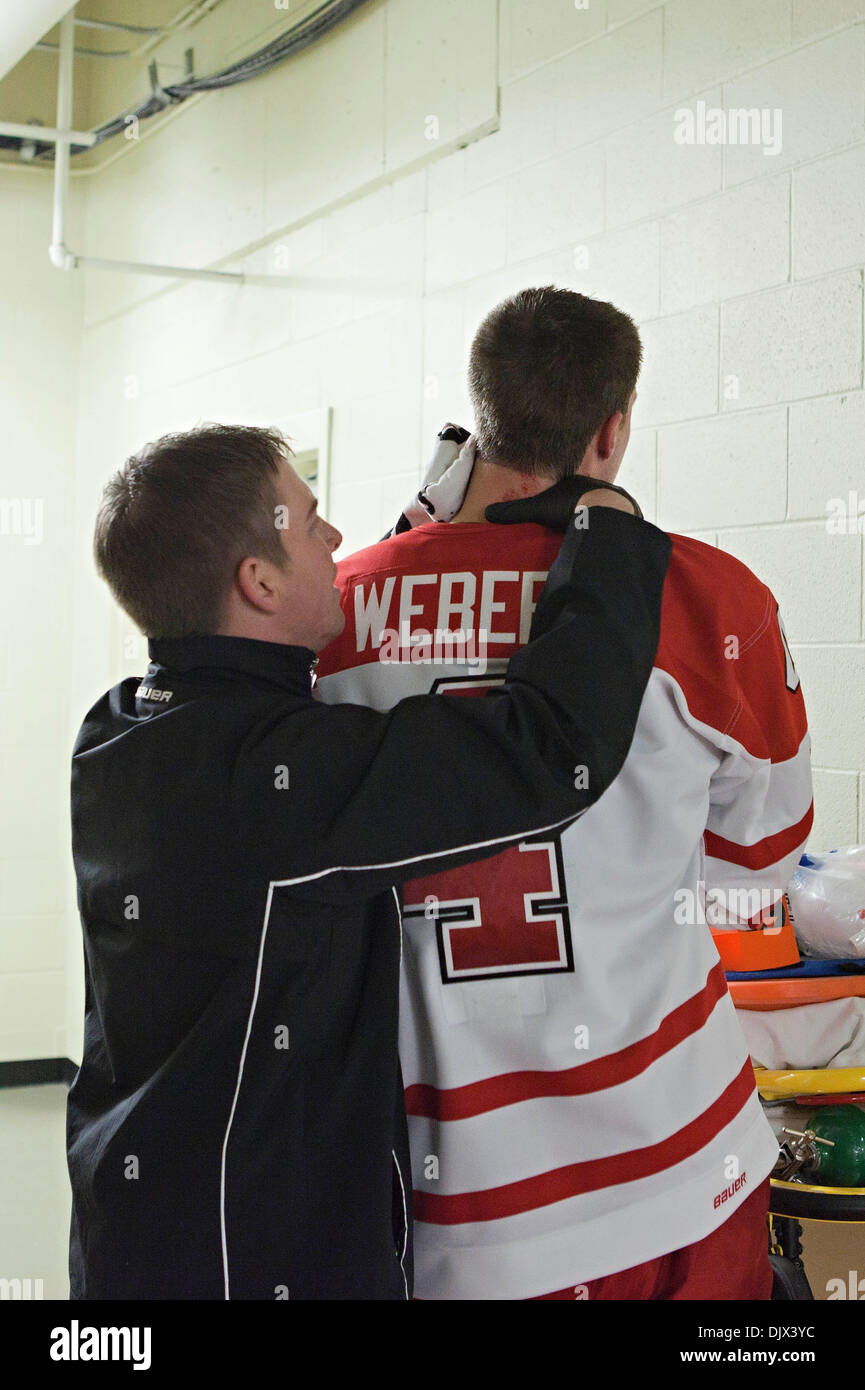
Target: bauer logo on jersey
column 502, row 916
column 728, row 1192
column 150, row 692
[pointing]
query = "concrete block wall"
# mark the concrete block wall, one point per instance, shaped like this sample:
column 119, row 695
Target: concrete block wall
column 742, row 263
column 743, row 268
column 40, row 317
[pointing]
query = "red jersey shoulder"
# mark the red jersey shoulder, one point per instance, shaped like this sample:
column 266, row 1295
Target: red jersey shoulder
column 714, row 610
column 707, row 594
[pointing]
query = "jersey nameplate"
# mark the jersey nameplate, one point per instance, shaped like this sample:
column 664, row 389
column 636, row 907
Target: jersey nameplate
column 461, row 601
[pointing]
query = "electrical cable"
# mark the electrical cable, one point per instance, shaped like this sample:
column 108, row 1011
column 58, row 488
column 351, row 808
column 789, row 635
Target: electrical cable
column 263, row 60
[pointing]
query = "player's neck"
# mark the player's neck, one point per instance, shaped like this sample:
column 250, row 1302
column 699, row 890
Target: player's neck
column 493, row 482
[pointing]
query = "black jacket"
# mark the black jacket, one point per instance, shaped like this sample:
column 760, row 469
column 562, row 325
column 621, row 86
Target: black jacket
column 236, row 1128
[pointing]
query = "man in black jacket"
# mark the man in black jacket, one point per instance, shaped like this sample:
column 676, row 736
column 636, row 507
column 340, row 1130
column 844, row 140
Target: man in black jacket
column 236, row 1128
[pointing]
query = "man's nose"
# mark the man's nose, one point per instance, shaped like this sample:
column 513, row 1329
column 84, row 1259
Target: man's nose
column 334, row 537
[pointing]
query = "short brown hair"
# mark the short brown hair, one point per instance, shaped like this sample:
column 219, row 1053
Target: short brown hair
column 547, row 368
column 179, row 516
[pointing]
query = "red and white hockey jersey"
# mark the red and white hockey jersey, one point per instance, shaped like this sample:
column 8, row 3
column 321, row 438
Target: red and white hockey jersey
column 579, row 1092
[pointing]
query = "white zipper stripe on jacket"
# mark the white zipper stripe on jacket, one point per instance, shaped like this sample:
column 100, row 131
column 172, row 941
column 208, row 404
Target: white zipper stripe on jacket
column 404, row 1223
column 393, row 1152
column 431, row 854
column 398, row 921
column 280, row 883
column 237, row 1090
column 255, row 993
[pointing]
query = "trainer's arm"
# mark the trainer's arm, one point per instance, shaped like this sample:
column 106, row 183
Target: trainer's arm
column 439, row 781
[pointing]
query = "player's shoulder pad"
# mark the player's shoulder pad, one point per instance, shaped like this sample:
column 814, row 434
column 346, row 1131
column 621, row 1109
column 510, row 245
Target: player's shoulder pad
column 703, row 574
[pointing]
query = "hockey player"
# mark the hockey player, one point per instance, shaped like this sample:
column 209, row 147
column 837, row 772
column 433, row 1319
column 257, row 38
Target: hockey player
column 582, row 1110
column 237, row 1126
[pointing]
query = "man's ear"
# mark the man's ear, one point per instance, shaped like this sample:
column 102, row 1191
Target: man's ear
column 607, row 435
column 254, row 581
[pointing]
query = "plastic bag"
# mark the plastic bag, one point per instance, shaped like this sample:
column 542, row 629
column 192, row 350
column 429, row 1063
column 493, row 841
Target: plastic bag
column 827, row 897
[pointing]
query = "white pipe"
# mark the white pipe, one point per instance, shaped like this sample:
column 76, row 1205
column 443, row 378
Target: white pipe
column 46, row 133
column 62, row 258
column 173, row 272
column 115, row 26
column 57, row 251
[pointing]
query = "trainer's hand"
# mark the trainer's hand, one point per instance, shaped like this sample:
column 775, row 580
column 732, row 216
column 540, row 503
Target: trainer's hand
column 554, row 507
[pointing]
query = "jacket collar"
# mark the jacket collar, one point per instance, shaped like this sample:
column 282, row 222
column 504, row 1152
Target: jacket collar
column 274, row 662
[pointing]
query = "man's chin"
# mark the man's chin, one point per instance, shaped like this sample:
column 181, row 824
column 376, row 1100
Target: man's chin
column 334, row 631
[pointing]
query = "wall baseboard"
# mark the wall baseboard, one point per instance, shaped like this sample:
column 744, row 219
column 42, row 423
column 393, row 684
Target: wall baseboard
column 38, row 1071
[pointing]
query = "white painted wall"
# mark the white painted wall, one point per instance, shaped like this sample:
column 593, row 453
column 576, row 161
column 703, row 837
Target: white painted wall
column 743, row 269
column 40, row 325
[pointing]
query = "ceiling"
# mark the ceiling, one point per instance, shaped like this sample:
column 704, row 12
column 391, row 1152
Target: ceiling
column 218, row 31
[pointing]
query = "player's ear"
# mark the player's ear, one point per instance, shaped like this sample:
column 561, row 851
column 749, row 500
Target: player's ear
column 607, row 434
column 254, row 581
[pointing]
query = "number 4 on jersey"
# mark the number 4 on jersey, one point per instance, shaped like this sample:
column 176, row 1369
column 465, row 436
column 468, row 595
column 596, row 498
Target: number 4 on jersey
column 501, row 916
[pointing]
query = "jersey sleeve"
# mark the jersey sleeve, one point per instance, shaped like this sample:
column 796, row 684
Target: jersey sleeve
column 760, row 799
column 369, row 799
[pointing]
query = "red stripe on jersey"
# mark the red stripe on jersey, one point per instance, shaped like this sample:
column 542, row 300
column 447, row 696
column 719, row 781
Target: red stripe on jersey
column 763, row 852
column 575, row 1179
column 463, row 1102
